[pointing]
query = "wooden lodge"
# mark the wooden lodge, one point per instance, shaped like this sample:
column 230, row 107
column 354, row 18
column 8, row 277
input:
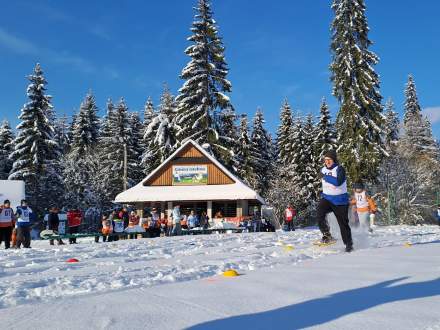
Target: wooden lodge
column 194, row 179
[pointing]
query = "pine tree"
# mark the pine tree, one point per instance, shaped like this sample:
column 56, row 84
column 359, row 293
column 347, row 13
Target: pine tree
column 296, row 169
column 242, row 158
column 202, row 99
column 412, row 106
column 34, row 144
column 260, row 154
column 411, row 172
column 113, row 151
column 417, row 129
column 160, row 134
column 284, row 137
column 229, row 136
column 103, row 179
column 86, row 127
column 309, row 174
column 62, row 134
column 6, row 149
column 137, row 147
column 326, row 134
column 356, row 85
column 391, row 125
column 149, row 112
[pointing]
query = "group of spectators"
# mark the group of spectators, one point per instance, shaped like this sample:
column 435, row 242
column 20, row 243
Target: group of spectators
column 122, row 223
column 15, row 226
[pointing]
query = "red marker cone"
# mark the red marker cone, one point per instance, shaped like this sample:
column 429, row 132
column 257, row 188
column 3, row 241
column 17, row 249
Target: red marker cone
column 73, row 260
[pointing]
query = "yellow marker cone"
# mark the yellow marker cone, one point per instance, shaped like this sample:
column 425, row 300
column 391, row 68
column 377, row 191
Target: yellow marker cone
column 288, row 248
column 407, row 244
column 230, row 273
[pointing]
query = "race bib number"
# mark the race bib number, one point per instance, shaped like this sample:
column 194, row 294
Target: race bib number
column 119, row 226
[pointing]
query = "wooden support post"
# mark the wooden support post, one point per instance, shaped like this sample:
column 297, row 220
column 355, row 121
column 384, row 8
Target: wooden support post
column 209, row 210
column 162, row 210
column 170, row 209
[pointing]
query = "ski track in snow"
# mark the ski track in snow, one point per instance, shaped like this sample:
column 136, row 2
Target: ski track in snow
column 42, row 273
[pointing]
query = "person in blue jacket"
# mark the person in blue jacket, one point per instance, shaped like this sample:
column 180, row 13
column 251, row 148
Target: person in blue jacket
column 334, row 199
column 24, row 218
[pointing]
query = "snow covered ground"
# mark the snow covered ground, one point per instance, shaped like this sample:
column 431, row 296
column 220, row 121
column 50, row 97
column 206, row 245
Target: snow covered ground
column 391, row 281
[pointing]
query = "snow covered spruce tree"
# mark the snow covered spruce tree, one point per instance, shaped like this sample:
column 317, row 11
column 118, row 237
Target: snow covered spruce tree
column 149, row 112
column 62, row 134
column 137, row 146
column 281, row 190
column 261, row 155
column 80, row 166
column 160, row 135
column 202, row 100
column 34, row 145
column 113, row 149
column 392, row 125
column 6, row 149
column 86, row 127
column 356, row 85
column 414, row 170
column 309, row 175
column 325, row 139
column 242, row 158
column 391, row 167
column 417, row 129
column 325, row 134
column 284, row 136
column 103, row 177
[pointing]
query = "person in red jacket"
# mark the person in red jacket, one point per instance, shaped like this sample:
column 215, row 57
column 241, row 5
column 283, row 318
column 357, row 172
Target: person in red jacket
column 289, row 215
column 74, row 218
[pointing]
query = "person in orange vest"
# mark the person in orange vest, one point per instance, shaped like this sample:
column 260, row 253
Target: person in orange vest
column 107, row 228
column 6, row 223
column 289, row 215
column 364, row 206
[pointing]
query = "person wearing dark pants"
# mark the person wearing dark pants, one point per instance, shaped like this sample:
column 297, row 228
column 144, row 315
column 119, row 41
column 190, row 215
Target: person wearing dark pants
column 53, row 222
column 73, row 230
column 6, row 223
column 24, row 214
column 334, row 199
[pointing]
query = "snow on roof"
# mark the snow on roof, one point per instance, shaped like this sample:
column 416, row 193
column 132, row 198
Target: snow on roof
column 236, row 191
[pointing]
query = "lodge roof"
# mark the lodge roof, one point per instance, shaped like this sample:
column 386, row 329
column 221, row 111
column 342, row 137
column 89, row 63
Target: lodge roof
column 238, row 190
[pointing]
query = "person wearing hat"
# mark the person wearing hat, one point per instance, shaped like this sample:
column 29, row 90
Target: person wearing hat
column 364, row 206
column 334, row 199
column 6, row 223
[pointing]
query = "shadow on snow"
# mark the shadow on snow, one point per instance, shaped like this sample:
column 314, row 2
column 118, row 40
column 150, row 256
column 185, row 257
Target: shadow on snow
column 319, row 311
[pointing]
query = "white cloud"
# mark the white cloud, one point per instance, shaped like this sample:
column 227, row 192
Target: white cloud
column 25, row 47
column 17, row 45
column 433, row 114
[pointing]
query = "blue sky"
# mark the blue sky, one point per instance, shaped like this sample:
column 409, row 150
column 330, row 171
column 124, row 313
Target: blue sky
column 274, row 49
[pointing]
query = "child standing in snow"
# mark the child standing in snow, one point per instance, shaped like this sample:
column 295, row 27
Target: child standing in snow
column 107, row 228
column 364, row 205
column 289, row 214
